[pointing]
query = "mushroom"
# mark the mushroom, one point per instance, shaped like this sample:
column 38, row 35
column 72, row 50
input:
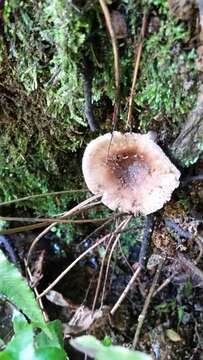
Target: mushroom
column 130, row 171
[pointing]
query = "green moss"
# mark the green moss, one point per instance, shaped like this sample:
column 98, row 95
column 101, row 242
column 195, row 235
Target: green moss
column 166, row 89
column 43, row 126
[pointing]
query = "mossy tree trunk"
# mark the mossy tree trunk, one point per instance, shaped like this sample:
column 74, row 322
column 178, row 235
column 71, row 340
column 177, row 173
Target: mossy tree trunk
column 189, row 144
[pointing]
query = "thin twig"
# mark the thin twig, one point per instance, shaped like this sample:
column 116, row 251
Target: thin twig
column 36, row 291
column 122, row 226
column 97, row 230
column 124, row 256
column 126, row 290
column 101, row 273
column 112, row 235
column 116, row 58
column 52, row 285
column 32, row 197
column 163, row 285
column 73, row 211
column 136, row 68
column 56, row 220
column 142, row 316
column 20, row 229
column 149, row 225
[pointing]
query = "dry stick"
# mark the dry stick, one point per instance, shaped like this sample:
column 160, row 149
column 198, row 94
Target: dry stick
column 114, row 217
column 142, row 316
column 119, row 227
column 101, row 273
column 24, row 228
column 163, row 285
column 123, row 225
column 57, row 220
column 136, row 68
column 71, row 266
column 149, row 225
column 34, row 226
column 97, row 230
column 74, row 210
column 36, row 292
column 32, row 197
column 124, row 256
column 116, row 58
column 125, row 292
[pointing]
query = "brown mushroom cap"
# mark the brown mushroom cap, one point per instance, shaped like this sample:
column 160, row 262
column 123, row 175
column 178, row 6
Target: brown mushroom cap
column 133, row 174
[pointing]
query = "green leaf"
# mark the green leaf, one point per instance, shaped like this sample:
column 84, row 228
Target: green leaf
column 94, row 348
column 50, row 353
column 56, row 336
column 16, row 290
column 20, row 346
column 19, row 321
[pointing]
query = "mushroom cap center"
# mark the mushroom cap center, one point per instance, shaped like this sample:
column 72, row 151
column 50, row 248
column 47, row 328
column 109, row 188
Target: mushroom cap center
column 127, row 167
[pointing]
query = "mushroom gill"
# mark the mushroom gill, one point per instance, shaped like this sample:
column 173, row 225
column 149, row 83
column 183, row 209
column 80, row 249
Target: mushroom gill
column 130, row 171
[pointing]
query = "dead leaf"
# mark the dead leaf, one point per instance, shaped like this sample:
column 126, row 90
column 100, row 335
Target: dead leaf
column 56, row 298
column 82, row 320
column 173, row 335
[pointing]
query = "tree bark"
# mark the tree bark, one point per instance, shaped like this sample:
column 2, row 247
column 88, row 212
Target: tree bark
column 189, row 144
